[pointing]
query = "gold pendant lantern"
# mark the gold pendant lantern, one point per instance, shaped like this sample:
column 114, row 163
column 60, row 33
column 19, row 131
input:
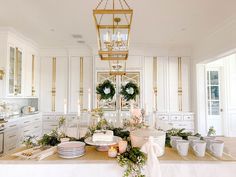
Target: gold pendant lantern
column 113, row 19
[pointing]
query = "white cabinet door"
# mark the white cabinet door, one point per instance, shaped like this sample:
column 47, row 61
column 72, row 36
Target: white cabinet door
column 37, row 75
column 61, row 82
column 162, row 84
column 186, row 84
column 88, row 81
column 32, row 72
column 173, row 84
column 28, row 75
column 74, row 83
column 46, row 84
column 148, row 84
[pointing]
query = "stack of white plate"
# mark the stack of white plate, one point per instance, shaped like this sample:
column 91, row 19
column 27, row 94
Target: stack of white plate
column 71, row 149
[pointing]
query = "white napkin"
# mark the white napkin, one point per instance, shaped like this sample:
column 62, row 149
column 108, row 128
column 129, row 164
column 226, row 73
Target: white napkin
column 46, row 153
column 152, row 149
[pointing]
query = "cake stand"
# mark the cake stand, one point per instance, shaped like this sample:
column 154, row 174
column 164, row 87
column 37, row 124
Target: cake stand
column 102, row 145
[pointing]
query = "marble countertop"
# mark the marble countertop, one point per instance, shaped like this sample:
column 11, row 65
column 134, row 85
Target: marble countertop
column 20, row 116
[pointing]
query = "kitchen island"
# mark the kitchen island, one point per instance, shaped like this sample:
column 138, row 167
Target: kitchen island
column 98, row 164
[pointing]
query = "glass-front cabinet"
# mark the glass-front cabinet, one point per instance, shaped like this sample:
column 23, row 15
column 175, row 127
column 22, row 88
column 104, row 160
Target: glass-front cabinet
column 15, row 72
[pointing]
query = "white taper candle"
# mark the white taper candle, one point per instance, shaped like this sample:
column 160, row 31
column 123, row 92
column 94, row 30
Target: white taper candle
column 89, row 99
column 65, row 106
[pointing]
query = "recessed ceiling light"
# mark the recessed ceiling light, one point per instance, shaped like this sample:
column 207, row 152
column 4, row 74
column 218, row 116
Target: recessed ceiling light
column 77, row 36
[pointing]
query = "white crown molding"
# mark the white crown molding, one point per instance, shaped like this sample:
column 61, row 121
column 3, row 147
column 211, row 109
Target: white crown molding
column 12, row 32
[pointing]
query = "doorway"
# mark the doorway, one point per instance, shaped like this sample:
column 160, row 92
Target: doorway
column 214, row 98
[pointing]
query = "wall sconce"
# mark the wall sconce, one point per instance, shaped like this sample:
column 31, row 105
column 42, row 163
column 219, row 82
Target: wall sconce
column 1, row 74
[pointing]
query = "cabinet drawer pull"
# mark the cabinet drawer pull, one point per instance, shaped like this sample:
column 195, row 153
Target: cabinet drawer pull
column 26, row 122
column 26, row 131
column 36, row 127
column 12, row 125
column 12, row 136
column 12, row 148
column 36, row 119
column 53, row 125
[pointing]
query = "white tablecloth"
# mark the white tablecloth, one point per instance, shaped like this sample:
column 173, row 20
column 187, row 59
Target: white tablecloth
column 169, row 169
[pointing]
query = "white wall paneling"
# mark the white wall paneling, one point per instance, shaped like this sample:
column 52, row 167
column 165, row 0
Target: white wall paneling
column 230, row 97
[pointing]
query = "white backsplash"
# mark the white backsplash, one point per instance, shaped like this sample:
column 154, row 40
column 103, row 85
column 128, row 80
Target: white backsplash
column 11, row 106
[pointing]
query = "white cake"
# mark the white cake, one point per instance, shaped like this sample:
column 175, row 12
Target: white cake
column 103, row 135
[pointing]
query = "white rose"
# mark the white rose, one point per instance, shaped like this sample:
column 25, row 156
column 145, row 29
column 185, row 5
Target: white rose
column 107, row 90
column 131, row 90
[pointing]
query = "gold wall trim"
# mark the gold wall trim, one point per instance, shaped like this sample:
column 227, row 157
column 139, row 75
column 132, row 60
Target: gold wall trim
column 33, row 75
column 53, row 84
column 81, row 91
column 155, row 83
column 180, row 89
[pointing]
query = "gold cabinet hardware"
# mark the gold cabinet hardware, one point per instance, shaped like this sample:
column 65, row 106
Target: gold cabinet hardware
column 180, row 89
column 53, row 84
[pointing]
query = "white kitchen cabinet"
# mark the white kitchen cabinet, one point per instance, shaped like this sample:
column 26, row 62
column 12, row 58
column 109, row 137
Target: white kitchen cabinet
column 173, row 84
column 17, row 129
column 61, row 83
column 32, row 74
column 167, row 84
column 14, row 81
column 180, row 120
column 74, row 83
column 46, row 85
column 162, row 85
column 11, row 137
column 16, row 53
column 50, row 122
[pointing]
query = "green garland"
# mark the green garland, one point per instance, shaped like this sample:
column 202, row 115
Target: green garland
column 106, row 90
column 134, row 161
column 178, row 132
column 129, row 91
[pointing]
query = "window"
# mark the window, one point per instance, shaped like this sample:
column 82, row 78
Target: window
column 213, row 92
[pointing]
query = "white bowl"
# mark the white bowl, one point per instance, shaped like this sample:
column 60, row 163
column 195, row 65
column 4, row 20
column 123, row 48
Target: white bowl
column 140, row 137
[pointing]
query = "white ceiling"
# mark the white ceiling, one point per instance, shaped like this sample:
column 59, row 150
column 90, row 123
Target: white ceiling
column 156, row 22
